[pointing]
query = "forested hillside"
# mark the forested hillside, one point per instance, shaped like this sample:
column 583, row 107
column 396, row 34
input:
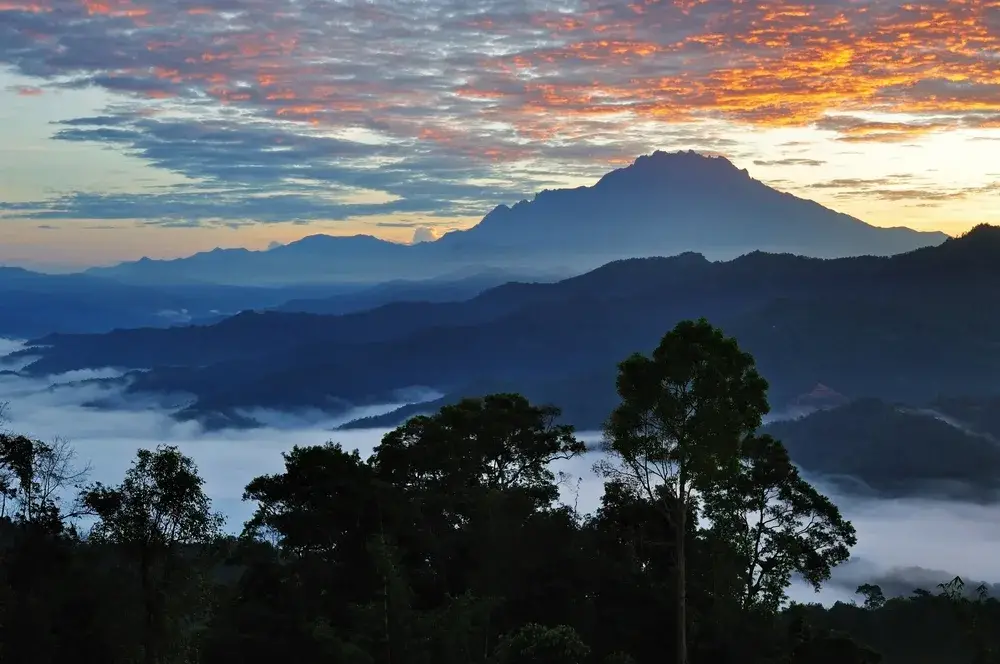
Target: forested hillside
column 449, row 545
column 862, row 326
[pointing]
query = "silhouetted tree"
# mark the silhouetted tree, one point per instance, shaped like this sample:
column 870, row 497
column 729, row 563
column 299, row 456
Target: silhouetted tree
column 775, row 524
column 33, row 474
column 159, row 509
column 537, row 644
column 684, row 413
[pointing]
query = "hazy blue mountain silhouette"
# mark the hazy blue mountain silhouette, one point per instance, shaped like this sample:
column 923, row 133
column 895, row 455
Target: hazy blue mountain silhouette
column 908, row 328
column 662, row 204
column 453, row 287
column 33, row 303
column 897, row 450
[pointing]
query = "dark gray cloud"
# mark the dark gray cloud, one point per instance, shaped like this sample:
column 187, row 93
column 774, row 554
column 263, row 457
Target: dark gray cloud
column 902, row 581
column 190, row 209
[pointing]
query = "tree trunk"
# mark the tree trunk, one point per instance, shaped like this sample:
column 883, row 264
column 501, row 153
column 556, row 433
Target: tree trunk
column 681, row 581
column 149, row 609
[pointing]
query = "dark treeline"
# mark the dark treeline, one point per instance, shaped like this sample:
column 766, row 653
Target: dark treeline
column 449, row 546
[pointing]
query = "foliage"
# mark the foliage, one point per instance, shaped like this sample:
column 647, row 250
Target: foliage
column 159, row 509
column 537, row 644
column 776, row 524
column 33, row 474
column 448, row 545
column 683, row 417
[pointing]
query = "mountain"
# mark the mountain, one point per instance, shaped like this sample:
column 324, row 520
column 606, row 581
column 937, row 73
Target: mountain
column 448, row 288
column 666, row 203
column 896, row 450
column 908, row 328
column 662, row 204
column 33, row 304
column 313, row 259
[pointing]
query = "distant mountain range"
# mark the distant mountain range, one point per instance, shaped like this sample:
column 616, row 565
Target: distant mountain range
column 948, row 448
column 909, row 328
column 662, row 204
column 34, row 304
column 453, row 287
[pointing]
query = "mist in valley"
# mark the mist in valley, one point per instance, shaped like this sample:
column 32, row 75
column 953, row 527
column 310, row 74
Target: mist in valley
column 903, row 544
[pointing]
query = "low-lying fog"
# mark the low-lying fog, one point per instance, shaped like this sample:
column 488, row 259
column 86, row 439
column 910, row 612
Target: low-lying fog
column 902, row 544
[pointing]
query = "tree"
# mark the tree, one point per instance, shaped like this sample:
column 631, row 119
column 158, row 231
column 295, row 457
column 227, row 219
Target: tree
column 627, row 585
column 775, row 524
column 33, row 475
column 324, row 516
column 874, row 597
column 158, row 509
column 537, row 644
column 473, row 479
column 500, row 442
column 320, row 504
column 352, row 591
column 683, row 415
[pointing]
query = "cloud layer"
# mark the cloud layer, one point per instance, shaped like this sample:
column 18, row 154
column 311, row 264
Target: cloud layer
column 902, row 544
column 308, row 109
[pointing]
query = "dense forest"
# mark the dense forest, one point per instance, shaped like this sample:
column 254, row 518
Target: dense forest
column 450, row 546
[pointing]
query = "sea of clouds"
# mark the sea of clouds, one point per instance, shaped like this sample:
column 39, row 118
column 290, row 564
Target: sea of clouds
column 902, row 544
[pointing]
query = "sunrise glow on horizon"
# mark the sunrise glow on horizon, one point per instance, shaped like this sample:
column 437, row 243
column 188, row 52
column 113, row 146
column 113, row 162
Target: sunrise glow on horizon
column 141, row 128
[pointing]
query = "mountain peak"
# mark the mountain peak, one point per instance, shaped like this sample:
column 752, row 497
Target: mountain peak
column 682, row 157
column 978, row 251
column 681, row 166
column 980, row 242
column 983, row 235
column 663, row 203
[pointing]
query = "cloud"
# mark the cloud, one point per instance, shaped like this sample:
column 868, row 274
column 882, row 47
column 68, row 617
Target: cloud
column 8, row 346
column 792, row 161
column 901, row 187
column 424, row 234
column 902, row 543
column 453, row 106
column 25, row 90
column 108, row 437
column 231, row 206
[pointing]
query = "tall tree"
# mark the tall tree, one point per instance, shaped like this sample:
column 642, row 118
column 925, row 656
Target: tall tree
column 322, row 514
column 33, row 476
column 683, row 415
column 475, row 479
column 160, row 508
column 775, row 524
column 500, row 442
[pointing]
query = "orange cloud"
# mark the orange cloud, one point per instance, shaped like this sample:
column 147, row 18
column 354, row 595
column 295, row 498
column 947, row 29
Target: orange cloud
column 27, row 7
column 497, row 84
column 27, row 91
column 779, row 64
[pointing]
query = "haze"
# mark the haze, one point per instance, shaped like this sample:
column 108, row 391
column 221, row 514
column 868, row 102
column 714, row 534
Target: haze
column 902, row 544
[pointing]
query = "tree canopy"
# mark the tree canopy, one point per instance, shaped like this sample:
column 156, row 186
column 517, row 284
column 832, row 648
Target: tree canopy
column 449, row 545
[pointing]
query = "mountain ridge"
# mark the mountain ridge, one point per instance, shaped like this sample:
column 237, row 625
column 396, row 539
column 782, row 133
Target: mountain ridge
column 864, row 327
column 661, row 204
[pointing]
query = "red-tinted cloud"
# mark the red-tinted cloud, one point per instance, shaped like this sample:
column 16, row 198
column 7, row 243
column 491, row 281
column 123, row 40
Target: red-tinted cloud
column 538, row 71
column 484, row 82
column 26, row 90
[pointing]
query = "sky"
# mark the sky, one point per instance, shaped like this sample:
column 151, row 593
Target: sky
column 134, row 127
column 902, row 543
